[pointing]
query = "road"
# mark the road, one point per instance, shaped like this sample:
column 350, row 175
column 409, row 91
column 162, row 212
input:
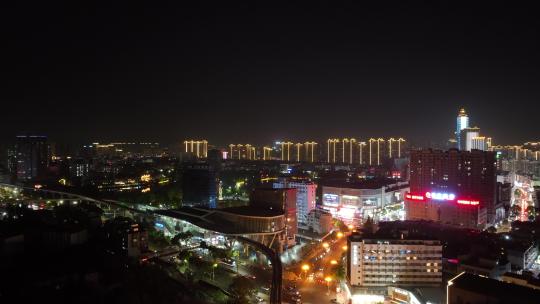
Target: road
column 312, row 285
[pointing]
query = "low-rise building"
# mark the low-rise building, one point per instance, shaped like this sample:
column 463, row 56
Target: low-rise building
column 354, row 202
column 305, row 197
column 281, row 200
column 319, row 221
column 522, row 255
column 524, row 279
column 380, row 262
column 489, row 268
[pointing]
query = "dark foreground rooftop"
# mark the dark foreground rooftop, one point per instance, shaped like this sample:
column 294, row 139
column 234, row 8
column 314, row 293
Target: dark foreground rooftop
column 500, row 291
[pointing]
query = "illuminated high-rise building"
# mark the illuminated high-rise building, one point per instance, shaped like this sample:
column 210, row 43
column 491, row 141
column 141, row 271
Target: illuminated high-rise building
column 241, row 151
column 305, row 152
column 305, row 197
column 333, row 148
column 286, row 151
column 467, row 136
column 199, row 148
column 310, row 151
column 479, row 143
column 489, row 143
column 454, row 188
column 395, row 147
column 348, row 149
column 462, row 123
column 267, row 153
column 376, row 150
column 362, row 152
column 343, row 151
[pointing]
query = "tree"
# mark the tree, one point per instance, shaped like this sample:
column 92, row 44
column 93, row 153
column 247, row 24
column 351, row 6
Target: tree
column 181, row 237
column 184, row 256
column 369, row 226
column 157, row 239
column 340, row 225
column 202, row 267
column 339, row 272
column 242, row 288
column 218, row 253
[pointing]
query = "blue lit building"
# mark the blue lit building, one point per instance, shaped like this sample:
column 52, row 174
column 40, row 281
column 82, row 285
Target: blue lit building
column 462, row 123
column 199, row 185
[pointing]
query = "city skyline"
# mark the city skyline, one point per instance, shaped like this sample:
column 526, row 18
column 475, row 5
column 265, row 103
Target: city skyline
column 271, row 153
column 167, row 73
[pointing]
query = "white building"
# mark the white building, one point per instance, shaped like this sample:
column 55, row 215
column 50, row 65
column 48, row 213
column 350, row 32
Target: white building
column 352, row 203
column 467, row 136
column 394, row 262
column 305, row 197
column 320, row 221
column 479, row 143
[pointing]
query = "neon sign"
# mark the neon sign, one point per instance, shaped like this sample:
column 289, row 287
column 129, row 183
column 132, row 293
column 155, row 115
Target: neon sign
column 441, row 196
column 414, row 197
column 468, row 202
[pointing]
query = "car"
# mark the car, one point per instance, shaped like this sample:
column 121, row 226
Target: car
column 228, row 262
column 265, row 288
column 259, row 299
column 291, row 287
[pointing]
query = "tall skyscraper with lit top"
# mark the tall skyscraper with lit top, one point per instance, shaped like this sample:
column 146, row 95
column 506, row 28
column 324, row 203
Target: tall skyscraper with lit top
column 462, row 123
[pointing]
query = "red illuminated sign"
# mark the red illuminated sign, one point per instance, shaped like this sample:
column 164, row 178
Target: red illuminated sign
column 438, row 196
column 414, row 197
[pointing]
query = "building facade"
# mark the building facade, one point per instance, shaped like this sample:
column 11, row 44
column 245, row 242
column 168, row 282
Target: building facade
column 282, row 200
column 354, row 202
column 199, row 185
column 319, row 221
column 197, row 148
column 467, row 136
column 305, row 197
column 393, row 262
column 242, row 152
column 462, row 123
column 453, row 187
column 30, row 157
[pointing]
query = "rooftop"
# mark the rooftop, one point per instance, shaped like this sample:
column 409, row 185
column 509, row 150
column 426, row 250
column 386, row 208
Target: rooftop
column 503, row 292
column 365, row 184
column 252, row 211
column 373, row 239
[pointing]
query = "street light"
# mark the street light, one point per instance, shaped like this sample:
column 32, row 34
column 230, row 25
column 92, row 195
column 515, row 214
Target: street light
column 351, row 227
column 333, row 262
column 214, row 267
column 325, row 245
column 328, row 280
column 344, row 247
column 305, row 268
column 340, row 234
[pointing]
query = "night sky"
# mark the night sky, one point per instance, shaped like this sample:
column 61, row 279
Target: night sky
column 252, row 74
